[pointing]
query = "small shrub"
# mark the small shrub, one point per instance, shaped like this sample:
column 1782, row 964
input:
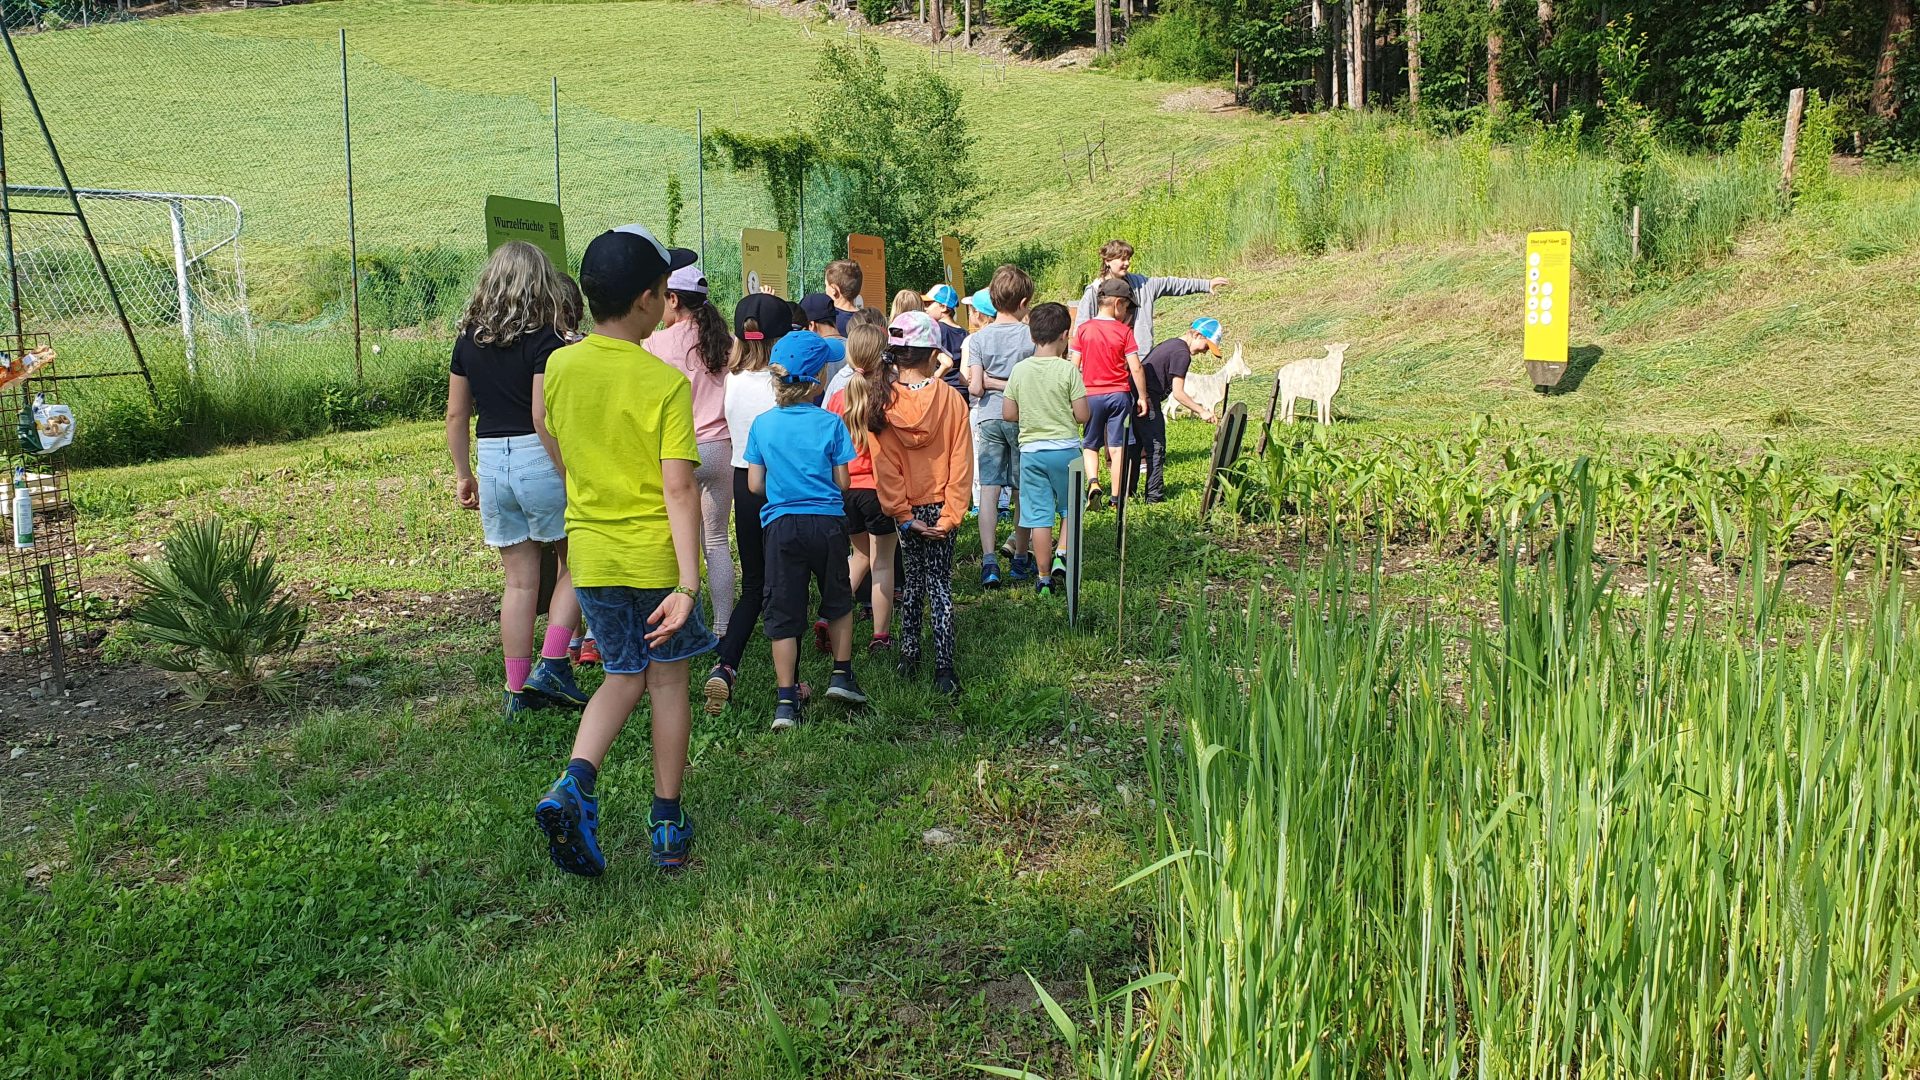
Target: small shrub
column 1044, row 26
column 876, row 11
column 213, row 610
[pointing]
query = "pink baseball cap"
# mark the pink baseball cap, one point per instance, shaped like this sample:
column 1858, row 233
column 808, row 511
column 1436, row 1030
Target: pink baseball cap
column 913, row 330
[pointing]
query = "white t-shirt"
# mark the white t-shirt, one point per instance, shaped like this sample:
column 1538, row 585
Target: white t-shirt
column 749, row 393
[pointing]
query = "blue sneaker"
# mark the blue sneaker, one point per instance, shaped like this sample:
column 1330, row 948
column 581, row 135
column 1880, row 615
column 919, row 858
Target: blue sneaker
column 990, row 575
column 571, row 821
column 1021, row 569
column 553, row 681
column 515, row 704
column 672, row 842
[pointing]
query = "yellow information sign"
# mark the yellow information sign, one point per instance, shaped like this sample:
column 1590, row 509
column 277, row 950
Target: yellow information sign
column 540, row 224
column 763, row 261
column 950, row 256
column 871, row 254
column 1549, row 295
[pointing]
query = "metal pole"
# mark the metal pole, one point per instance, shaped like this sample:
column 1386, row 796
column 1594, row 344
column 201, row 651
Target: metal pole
column 800, row 289
column 6, row 227
column 556, row 142
column 700, row 168
column 177, row 219
column 56, row 648
column 79, row 214
column 353, row 238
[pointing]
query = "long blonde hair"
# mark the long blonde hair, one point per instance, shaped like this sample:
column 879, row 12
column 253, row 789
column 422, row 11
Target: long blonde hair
column 519, row 293
column 907, row 300
column 869, row 392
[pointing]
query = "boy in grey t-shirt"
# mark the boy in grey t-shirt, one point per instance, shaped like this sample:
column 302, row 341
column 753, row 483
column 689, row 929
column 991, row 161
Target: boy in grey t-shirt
column 992, row 351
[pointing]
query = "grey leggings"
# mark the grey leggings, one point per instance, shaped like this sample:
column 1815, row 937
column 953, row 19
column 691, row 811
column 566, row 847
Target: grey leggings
column 715, row 477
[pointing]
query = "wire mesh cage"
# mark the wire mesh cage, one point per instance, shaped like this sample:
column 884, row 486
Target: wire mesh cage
column 39, row 623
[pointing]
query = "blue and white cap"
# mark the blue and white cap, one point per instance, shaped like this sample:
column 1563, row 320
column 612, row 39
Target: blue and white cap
column 1210, row 329
column 942, row 294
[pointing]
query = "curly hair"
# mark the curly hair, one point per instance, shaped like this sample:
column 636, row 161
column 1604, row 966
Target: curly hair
column 519, row 293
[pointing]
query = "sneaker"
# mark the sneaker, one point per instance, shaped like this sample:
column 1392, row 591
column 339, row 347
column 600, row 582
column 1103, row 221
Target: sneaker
column 907, row 666
column 719, row 689
column 1094, row 501
column 1006, row 550
column 1059, row 574
column 866, row 612
column 589, row 654
column 880, row 643
column 553, row 683
column 945, row 682
column 990, row 575
column 1045, row 588
column 515, row 704
column 571, row 821
column 845, row 688
column 672, row 842
column 1022, row 568
column 822, row 636
column 786, row 715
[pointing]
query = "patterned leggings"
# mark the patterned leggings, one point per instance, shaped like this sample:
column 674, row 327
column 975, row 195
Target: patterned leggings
column 929, row 581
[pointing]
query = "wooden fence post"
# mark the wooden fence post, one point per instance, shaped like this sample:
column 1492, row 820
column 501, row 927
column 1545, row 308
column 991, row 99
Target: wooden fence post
column 1790, row 142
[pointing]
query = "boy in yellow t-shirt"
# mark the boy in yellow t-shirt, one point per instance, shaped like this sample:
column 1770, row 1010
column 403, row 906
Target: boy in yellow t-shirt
column 623, row 420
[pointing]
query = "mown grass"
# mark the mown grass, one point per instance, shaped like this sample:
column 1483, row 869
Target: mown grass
column 364, row 895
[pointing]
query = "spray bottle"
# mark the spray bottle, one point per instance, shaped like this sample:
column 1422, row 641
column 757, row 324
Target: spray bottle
column 22, row 511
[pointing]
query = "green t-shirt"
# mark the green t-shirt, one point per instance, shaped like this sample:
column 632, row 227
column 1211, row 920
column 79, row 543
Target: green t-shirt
column 1044, row 387
column 617, row 412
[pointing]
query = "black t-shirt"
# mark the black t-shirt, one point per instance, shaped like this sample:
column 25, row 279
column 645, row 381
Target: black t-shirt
column 841, row 319
column 1168, row 361
column 502, row 380
column 951, row 339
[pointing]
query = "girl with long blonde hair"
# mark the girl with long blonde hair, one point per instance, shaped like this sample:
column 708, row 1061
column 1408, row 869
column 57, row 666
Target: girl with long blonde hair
column 862, row 404
column 511, row 325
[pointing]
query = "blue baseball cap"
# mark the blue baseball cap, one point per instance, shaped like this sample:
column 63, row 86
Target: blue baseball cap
column 1210, row 329
column 983, row 304
column 942, row 294
column 801, row 354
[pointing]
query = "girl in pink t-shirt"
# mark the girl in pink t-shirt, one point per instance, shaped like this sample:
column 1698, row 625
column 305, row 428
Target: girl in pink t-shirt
column 694, row 338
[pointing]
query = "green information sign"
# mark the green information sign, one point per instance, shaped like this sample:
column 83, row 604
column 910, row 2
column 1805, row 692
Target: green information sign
column 538, row 223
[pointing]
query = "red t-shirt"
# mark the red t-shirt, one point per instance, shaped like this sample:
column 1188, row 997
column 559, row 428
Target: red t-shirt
column 860, row 472
column 1103, row 345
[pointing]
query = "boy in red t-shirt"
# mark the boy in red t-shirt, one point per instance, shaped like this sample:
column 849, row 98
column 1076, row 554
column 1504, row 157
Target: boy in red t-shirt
column 1116, row 383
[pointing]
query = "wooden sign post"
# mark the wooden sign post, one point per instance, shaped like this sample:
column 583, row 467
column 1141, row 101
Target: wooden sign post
column 950, row 259
column 1076, row 529
column 1273, row 409
column 871, row 253
column 763, row 261
column 1226, row 450
column 540, row 224
column 1549, row 305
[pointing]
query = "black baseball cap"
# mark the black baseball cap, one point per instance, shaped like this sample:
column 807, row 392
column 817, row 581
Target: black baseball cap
column 1116, row 287
column 620, row 264
column 771, row 314
column 818, row 306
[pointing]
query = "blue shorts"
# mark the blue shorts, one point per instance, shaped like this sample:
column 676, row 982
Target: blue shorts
column 618, row 615
column 1043, row 486
column 1107, row 420
column 996, row 447
column 522, row 497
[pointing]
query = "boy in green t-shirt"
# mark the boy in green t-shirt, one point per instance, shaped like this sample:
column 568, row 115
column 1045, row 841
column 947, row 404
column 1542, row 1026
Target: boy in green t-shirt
column 1047, row 397
column 623, row 420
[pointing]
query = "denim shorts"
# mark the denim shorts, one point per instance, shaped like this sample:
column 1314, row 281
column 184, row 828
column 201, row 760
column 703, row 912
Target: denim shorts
column 1043, row 486
column 1107, row 420
column 521, row 494
column 996, row 446
column 618, row 615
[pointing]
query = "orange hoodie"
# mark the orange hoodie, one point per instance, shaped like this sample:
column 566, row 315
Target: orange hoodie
column 925, row 455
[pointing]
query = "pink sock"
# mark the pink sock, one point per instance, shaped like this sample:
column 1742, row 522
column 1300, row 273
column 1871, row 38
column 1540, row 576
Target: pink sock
column 518, row 668
column 555, row 646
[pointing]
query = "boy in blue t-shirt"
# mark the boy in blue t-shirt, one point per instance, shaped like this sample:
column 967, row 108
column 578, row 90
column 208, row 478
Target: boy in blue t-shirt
column 797, row 456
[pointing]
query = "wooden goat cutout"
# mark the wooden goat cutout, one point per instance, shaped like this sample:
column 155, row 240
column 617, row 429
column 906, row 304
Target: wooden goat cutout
column 1211, row 389
column 1316, row 379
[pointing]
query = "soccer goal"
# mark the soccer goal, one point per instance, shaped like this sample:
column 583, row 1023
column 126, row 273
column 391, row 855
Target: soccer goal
column 175, row 258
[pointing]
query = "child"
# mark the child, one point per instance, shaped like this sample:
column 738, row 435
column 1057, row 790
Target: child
column 759, row 322
column 623, row 420
column 844, row 282
column 904, row 301
column 923, row 468
column 943, row 303
column 1116, row 258
column 1047, row 398
column 862, row 404
column 510, row 329
column 797, row 458
column 1166, row 368
column 864, row 317
column 817, row 309
column 993, row 352
column 1116, row 384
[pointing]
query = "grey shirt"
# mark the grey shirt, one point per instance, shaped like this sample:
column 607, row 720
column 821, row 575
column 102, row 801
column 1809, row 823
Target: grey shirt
column 1145, row 291
column 995, row 348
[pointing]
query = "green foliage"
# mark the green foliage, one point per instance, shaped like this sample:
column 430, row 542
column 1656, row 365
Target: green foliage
column 676, row 204
column 1179, row 45
column 876, row 11
column 1044, row 27
column 1813, row 158
column 214, row 610
column 783, row 162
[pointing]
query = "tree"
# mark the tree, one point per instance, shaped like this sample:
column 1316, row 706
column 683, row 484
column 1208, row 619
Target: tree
column 1494, row 45
column 1413, row 53
column 1893, row 37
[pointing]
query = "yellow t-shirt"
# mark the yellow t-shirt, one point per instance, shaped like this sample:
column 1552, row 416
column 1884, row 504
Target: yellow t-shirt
column 617, row 411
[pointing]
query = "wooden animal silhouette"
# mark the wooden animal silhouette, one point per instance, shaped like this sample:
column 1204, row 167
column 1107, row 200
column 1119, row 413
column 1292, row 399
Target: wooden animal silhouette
column 1211, row 389
column 1316, row 379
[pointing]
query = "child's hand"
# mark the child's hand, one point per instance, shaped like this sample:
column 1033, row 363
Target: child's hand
column 669, row 617
column 1218, row 283
column 1141, row 408
column 466, row 491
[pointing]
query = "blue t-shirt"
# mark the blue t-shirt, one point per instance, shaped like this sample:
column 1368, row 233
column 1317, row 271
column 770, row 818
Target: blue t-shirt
column 836, row 361
column 799, row 445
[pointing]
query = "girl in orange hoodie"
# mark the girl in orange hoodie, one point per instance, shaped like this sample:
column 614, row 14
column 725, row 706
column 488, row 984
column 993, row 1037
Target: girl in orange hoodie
column 923, row 470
